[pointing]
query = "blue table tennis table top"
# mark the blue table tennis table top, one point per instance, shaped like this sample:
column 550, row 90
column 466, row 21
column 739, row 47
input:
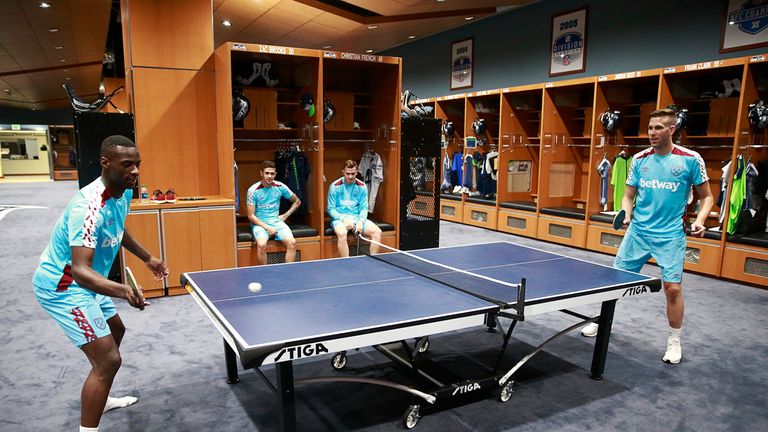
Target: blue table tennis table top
column 336, row 296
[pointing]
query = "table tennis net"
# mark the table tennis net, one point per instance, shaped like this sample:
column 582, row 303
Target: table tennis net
column 471, row 283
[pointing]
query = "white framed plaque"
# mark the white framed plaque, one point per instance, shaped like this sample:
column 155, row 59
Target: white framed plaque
column 462, row 63
column 568, row 46
column 745, row 25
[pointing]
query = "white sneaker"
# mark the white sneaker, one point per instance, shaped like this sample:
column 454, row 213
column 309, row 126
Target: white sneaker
column 590, row 330
column 674, row 352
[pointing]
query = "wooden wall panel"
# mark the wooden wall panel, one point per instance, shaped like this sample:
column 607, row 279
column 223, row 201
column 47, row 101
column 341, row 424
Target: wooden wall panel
column 176, row 130
column 224, row 135
column 217, row 238
column 144, row 227
column 181, row 241
column 169, row 33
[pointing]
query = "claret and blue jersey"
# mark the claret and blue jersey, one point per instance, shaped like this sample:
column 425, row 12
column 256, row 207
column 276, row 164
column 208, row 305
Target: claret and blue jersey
column 663, row 185
column 347, row 199
column 93, row 219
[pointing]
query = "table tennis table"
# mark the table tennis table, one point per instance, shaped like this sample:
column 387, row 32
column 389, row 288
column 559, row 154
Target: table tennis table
column 328, row 307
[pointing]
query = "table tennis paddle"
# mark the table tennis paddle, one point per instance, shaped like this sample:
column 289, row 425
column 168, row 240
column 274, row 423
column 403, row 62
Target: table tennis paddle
column 618, row 220
column 132, row 283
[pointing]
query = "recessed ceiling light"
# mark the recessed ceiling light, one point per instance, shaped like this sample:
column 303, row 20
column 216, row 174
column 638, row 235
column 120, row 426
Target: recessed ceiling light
column 328, row 46
column 469, row 18
column 53, row 29
column 372, row 26
column 412, row 37
column 63, row 60
column 440, row 1
column 58, row 47
column 369, row 50
column 731, row 22
column 44, row 5
column 226, row 23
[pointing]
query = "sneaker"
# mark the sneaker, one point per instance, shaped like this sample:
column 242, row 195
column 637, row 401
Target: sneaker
column 674, row 352
column 590, row 330
column 158, row 197
column 457, row 189
column 170, row 196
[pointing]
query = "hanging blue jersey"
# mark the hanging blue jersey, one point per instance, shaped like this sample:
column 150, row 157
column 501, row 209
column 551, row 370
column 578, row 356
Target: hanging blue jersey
column 92, row 219
column 663, row 184
column 266, row 200
column 345, row 199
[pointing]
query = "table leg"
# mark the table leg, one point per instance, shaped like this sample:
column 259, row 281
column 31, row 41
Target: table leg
column 603, row 336
column 286, row 397
column 230, row 359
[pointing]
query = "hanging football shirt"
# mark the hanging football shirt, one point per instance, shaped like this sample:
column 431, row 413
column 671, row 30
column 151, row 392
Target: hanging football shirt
column 603, row 168
column 619, row 181
column 372, row 169
column 738, row 195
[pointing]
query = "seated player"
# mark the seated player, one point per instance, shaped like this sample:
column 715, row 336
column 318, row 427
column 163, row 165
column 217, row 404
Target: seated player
column 348, row 207
column 263, row 201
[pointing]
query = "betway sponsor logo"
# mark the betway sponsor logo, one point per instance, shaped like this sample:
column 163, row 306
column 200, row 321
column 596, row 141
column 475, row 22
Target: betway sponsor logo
column 656, row 184
column 300, row 351
column 635, row 290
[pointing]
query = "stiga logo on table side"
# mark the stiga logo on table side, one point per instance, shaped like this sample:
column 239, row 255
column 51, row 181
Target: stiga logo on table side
column 466, row 388
column 297, row 352
column 635, row 290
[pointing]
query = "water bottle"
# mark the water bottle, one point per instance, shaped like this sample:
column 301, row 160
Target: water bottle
column 144, row 194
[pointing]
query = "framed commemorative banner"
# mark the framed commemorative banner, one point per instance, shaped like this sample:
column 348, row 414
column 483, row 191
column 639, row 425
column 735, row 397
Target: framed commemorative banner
column 568, row 46
column 745, row 25
column 462, row 63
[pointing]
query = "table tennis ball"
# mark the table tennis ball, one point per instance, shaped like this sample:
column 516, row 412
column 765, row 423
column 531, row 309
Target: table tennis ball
column 254, row 287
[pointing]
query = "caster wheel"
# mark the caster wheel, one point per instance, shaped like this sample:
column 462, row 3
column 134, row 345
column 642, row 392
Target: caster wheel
column 339, row 361
column 505, row 393
column 424, row 345
column 411, row 417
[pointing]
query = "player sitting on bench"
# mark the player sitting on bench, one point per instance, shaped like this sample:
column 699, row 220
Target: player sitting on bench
column 264, row 213
column 348, row 207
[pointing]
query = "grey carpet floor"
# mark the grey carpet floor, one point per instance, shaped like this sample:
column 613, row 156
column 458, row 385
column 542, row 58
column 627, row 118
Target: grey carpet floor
column 172, row 360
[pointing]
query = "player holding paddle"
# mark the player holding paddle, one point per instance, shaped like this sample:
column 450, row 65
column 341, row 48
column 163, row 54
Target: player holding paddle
column 71, row 281
column 661, row 178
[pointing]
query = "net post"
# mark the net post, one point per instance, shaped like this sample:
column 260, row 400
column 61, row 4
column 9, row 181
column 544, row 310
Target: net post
column 520, row 304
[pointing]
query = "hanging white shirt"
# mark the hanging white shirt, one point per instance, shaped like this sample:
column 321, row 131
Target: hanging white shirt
column 372, row 170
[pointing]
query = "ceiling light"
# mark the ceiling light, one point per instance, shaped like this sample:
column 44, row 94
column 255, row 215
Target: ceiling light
column 440, row 1
column 226, row 23
column 372, row 26
column 65, row 70
column 53, row 29
column 328, row 46
column 63, row 60
column 731, row 22
column 44, row 5
column 369, row 50
column 412, row 37
column 58, row 47
column 8, row 92
column 469, row 18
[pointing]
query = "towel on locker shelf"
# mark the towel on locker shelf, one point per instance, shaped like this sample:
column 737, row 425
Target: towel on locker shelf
column 519, row 176
column 372, row 169
column 492, row 164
